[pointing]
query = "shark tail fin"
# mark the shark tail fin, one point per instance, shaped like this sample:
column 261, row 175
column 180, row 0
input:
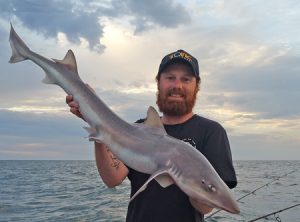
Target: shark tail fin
column 18, row 47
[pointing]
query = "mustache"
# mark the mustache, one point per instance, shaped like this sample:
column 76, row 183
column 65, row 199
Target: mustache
column 176, row 91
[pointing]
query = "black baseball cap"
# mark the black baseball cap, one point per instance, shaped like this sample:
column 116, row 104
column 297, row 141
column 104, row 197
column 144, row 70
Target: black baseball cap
column 177, row 57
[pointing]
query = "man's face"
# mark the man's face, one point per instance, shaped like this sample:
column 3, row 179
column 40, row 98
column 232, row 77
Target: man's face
column 177, row 90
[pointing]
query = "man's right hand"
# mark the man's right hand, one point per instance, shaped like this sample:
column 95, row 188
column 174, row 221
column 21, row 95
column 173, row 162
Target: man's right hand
column 74, row 106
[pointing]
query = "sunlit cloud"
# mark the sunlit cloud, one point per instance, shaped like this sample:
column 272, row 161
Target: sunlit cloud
column 139, row 89
column 36, row 109
column 30, row 150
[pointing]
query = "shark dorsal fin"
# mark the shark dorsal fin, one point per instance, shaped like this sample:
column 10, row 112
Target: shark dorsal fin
column 153, row 118
column 69, row 61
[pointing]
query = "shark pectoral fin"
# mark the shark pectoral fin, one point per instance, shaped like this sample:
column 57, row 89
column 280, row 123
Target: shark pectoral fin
column 160, row 177
column 69, row 61
column 201, row 207
column 164, row 180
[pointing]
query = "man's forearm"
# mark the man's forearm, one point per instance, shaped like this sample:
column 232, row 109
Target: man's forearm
column 110, row 168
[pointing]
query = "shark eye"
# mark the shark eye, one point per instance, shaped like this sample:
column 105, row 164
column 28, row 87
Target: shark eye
column 212, row 188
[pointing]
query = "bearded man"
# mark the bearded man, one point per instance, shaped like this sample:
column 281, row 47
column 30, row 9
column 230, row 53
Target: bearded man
column 178, row 82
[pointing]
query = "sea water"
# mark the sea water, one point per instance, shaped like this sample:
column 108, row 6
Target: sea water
column 73, row 191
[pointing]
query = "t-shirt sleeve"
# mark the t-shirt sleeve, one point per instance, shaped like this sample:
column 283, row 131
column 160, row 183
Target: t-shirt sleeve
column 217, row 150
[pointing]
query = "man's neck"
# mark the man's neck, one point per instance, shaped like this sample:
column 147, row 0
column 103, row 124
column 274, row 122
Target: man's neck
column 172, row 120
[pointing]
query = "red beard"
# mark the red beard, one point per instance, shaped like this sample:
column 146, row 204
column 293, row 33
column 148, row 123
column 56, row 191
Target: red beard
column 175, row 108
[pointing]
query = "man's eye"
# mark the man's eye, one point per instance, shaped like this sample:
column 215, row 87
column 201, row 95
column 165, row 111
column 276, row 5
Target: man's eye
column 186, row 80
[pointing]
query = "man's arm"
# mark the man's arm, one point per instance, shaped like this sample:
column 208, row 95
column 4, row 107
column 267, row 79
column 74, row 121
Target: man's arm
column 111, row 169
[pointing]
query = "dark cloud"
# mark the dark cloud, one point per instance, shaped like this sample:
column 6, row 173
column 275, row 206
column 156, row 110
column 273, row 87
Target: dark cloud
column 81, row 18
column 51, row 17
column 147, row 14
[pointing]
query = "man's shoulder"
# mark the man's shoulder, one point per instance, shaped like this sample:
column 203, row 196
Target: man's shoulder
column 205, row 122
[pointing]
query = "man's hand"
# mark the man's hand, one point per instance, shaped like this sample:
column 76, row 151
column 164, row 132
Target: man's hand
column 74, row 106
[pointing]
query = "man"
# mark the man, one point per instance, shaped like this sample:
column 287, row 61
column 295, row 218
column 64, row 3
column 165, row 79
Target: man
column 178, row 82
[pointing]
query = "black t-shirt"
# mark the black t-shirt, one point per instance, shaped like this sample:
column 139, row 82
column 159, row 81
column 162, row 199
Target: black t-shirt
column 158, row 204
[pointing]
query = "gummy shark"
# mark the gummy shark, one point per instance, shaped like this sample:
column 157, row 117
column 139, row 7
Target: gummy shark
column 144, row 147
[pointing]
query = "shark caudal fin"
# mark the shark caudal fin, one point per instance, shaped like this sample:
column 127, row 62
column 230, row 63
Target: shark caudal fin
column 18, row 47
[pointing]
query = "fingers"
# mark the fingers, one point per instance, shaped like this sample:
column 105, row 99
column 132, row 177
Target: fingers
column 71, row 103
column 76, row 112
column 74, row 106
column 69, row 98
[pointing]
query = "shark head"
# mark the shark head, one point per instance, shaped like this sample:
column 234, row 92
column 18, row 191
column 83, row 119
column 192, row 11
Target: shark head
column 200, row 181
column 212, row 194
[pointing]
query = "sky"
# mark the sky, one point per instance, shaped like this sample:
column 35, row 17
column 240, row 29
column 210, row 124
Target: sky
column 248, row 53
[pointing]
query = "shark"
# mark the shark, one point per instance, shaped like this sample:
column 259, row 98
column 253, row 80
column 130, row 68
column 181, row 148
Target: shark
column 144, row 147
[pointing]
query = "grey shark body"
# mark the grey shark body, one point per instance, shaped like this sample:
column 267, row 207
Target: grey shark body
column 144, row 147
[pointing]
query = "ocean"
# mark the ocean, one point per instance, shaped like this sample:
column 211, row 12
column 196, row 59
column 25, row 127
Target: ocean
column 47, row 190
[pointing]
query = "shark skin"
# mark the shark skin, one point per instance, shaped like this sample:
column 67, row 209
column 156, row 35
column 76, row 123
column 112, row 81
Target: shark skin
column 144, row 147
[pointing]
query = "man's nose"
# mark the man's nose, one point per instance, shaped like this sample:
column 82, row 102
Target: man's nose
column 177, row 83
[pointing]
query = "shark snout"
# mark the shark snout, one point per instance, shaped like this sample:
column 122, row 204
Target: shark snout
column 227, row 202
column 232, row 207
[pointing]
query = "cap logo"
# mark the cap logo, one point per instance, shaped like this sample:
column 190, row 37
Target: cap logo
column 182, row 55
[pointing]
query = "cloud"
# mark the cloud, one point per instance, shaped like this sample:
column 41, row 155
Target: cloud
column 28, row 134
column 243, row 74
column 269, row 89
column 129, row 106
column 81, row 19
column 147, row 14
column 49, row 19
